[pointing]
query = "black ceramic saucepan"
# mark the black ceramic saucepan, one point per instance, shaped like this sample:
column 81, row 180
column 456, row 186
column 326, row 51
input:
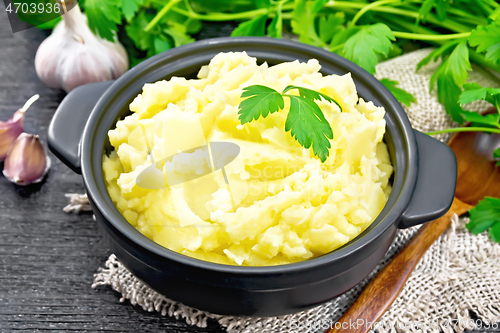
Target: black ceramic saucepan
column 423, row 188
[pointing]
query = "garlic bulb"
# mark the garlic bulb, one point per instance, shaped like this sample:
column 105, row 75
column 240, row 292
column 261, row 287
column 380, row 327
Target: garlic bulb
column 12, row 128
column 72, row 55
column 26, row 162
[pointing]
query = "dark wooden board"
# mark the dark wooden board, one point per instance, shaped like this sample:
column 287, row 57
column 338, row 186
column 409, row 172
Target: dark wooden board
column 47, row 257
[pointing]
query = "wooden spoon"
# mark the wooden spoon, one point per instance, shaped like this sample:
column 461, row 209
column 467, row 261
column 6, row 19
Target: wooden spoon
column 477, row 177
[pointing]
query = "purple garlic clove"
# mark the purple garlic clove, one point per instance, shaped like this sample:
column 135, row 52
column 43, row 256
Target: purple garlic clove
column 9, row 131
column 12, row 128
column 26, row 162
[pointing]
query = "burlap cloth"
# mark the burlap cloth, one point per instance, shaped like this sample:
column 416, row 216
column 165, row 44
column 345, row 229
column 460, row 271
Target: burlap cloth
column 460, row 272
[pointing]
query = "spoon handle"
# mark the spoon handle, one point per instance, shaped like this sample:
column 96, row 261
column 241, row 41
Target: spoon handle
column 383, row 289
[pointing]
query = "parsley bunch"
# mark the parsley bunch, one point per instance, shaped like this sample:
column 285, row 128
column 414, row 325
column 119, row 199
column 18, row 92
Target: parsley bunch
column 365, row 32
column 305, row 120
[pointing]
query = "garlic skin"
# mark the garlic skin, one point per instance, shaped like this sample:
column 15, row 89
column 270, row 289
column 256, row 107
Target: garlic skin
column 72, row 55
column 26, row 162
column 12, row 128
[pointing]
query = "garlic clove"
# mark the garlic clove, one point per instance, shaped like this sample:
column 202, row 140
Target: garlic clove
column 26, row 162
column 8, row 134
column 73, row 55
column 12, row 128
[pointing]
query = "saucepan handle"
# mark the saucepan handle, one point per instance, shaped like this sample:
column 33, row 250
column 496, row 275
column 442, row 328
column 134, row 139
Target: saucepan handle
column 436, row 181
column 70, row 118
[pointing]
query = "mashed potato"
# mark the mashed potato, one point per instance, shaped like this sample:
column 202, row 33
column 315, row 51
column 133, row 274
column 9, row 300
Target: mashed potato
column 271, row 203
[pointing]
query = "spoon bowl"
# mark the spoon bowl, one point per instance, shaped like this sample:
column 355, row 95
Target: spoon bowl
column 477, row 175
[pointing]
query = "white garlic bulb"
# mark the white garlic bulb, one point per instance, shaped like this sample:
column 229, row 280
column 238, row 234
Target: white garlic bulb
column 72, row 55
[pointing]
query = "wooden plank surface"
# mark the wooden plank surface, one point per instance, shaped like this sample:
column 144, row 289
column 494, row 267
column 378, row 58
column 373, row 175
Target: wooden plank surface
column 47, row 257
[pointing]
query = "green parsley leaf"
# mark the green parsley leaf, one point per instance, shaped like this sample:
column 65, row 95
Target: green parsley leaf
column 311, row 94
column 263, row 100
column 495, row 232
column 305, row 120
column 49, row 25
column 495, row 14
column 339, row 39
column 275, row 28
column 367, row 44
column 135, row 31
column 178, row 34
column 488, row 120
column 458, row 63
column 262, row 3
column 303, row 23
column 162, row 44
column 496, row 154
column 103, row 17
column 308, row 126
column 443, row 51
column 487, row 40
column 455, row 62
column 401, row 95
column 192, row 26
column 441, row 7
column 168, row 34
column 130, row 8
column 318, row 5
column 394, row 52
column 253, row 27
column 330, row 25
column 473, row 92
column 450, row 76
column 448, row 93
column 484, row 216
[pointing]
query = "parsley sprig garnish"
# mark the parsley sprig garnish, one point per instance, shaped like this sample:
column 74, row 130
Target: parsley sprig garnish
column 305, row 120
column 486, row 215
